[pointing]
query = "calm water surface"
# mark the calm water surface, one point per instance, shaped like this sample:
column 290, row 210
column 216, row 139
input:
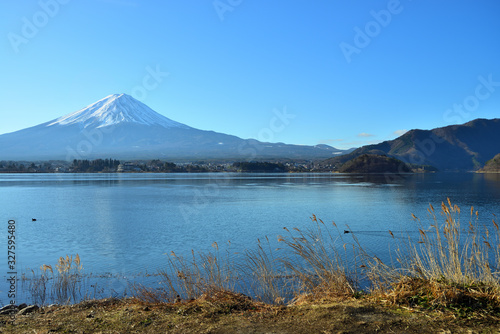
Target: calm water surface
column 125, row 224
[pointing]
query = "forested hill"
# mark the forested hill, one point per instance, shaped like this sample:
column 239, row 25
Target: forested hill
column 492, row 166
column 372, row 163
column 457, row 147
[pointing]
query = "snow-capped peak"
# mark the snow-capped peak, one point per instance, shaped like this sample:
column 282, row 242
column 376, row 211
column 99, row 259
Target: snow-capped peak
column 115, row 109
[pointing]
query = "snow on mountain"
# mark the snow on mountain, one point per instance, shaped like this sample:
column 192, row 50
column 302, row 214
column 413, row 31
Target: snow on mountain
column 115, row 109
column 121, row 127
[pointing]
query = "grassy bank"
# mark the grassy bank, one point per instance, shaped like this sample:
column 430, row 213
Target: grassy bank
column 234, row 315
column 448, row 271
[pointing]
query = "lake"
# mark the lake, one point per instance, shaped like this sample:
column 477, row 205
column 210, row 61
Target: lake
column 124, row 225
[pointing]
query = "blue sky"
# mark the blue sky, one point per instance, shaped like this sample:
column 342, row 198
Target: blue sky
column 344, row 73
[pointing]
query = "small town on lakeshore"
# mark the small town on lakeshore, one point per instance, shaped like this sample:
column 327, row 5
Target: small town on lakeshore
column 160, row 166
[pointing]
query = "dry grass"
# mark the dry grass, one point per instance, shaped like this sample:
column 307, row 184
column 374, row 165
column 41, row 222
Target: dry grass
column 187, row 279
column 313, row 266
column 456, row 253
column 230, row 313
column 318, row 262
column 38, row 285
column 266, row 279
column 64, row 286
column 452, row 265
column 463, row 300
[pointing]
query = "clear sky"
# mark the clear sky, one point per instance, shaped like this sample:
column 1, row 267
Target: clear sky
column 345, row 73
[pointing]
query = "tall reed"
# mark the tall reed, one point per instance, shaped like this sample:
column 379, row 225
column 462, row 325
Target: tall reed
column 62, row 286
column 66, row 286
column 265, row 277
column 319, row 261
column 190, row 278
column 38, row 284
column 461, row 253
column 448, row 263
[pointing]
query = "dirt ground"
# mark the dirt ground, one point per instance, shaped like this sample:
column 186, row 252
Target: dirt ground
column 240, row 316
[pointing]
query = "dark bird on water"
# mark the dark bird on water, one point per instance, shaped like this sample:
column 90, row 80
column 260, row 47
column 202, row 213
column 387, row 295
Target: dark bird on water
column 33, row 219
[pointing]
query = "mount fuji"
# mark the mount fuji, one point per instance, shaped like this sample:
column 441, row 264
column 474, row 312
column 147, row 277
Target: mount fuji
column 121, row 127
column 116, row 109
